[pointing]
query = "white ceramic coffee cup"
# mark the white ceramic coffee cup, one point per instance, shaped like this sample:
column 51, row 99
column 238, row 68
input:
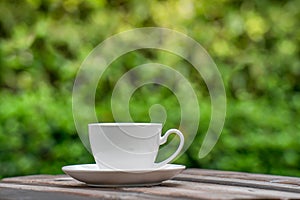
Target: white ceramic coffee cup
column 129, row 145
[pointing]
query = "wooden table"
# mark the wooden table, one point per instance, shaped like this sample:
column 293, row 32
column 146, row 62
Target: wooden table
column 190, row 184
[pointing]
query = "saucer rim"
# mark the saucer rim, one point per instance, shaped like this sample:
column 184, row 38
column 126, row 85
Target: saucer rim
column 113, row 178
column 166, row 167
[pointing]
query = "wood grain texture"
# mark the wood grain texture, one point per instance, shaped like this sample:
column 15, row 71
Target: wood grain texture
column 190, row 184
column 278, row 183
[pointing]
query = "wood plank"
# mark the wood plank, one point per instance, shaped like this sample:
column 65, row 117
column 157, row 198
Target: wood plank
column 184, row 189
column 172, row 188
column 281, row 183
column 278, row 183
column 244, row 175
column 103, row 193
column 46, row 180
column 167, row 190
column 15, row 194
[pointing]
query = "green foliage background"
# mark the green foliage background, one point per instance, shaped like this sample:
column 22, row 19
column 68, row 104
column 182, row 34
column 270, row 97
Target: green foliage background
column 255, row 45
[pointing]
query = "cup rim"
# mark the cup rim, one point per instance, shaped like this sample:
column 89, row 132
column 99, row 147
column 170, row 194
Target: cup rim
column 124, row 124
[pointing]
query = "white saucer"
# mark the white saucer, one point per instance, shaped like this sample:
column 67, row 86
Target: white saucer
column 93, row 176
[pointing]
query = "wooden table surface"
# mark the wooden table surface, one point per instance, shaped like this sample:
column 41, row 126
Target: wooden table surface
column 190, row 184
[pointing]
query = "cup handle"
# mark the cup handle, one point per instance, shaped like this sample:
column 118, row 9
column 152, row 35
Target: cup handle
column 163, row 140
